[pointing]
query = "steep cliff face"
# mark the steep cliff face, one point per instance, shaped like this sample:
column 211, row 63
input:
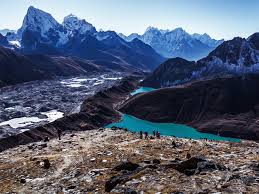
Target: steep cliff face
column 226, row 106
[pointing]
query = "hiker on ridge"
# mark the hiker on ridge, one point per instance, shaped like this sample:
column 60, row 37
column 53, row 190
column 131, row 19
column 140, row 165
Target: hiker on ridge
column 141, row 134
column 158, row 134
column 59, row 134
column 146, row 135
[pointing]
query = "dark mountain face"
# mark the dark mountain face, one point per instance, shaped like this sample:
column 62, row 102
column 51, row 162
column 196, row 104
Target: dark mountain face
column 146, row 53
column 5, row 43
column 136, row 53
column 254, row 40
column 3, row 40
column 110, row 48
column 87, row 47
column 226, row 106
column 64, row 66
column 235, row 57
column 172, row 72
column 235, row 52
column 32, row 44
column 15, row 68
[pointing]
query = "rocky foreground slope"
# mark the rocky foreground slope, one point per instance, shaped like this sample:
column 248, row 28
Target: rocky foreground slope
column 227, row 106
column 116, row 161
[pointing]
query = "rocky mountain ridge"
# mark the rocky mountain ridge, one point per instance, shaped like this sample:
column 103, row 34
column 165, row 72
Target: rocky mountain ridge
column 42, row 34
column 177, row 43
column 238, row 56
column 17, row 68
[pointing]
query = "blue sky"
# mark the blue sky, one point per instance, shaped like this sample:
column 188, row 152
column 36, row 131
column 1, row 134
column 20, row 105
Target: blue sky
column 219, row 18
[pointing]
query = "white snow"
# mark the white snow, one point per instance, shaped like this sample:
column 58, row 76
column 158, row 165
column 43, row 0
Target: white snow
column 100, row 38
column 21, row 122
column 206, row 39
column 171, row 43
column 39, row 21
column 72, row 23
column 25, row 121
column 79, row 82
column 53, row 115
column 15, row 43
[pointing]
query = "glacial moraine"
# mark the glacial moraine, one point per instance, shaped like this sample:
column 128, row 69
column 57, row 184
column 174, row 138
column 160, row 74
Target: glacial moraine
column 28, row 105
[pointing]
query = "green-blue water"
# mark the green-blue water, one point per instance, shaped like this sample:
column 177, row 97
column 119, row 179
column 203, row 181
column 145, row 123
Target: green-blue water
column 168, row 129
column 141, row 90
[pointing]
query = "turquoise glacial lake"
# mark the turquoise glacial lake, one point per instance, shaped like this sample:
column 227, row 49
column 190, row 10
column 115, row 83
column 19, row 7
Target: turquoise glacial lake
column 142, row 89
column 166, row 129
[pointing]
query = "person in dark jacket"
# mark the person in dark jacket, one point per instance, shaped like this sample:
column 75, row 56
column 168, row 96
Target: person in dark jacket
column 146, row 135
column 59, row 134
column 141, row 134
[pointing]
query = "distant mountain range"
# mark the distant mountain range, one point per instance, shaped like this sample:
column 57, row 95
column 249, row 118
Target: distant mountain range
column 177, row 43
column 76, row 43
column 42, row 34
column 234, row 57
column 5, row 31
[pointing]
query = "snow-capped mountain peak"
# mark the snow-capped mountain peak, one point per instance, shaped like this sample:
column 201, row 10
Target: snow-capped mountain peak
column 42, row 26
column 151, row 29
column 206, row 39
column 177, row 42
column 73, row 23
column 177, row 34
column 38, row 20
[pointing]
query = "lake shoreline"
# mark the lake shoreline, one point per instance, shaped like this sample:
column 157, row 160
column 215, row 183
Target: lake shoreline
column 136, row 125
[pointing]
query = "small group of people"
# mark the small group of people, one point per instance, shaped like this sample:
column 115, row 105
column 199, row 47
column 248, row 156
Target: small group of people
column 155, row 134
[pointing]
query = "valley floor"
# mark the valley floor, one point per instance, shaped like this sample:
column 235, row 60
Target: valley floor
column 105, row 160
column 25, row 106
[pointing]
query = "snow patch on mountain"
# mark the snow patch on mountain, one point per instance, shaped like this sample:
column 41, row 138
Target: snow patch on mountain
column 15, row 43
column 176, row 43
column 206, row 39
column 74, row 24
column 5, row 31
column 40, row 21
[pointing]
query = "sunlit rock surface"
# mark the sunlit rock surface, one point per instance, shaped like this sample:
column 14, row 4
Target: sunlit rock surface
column 118, row 161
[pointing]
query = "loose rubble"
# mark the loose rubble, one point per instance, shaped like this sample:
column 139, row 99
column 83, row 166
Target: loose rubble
column 30, row 100
column 117, row 161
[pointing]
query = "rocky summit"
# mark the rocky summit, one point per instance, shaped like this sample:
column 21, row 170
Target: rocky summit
column 117, row 161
